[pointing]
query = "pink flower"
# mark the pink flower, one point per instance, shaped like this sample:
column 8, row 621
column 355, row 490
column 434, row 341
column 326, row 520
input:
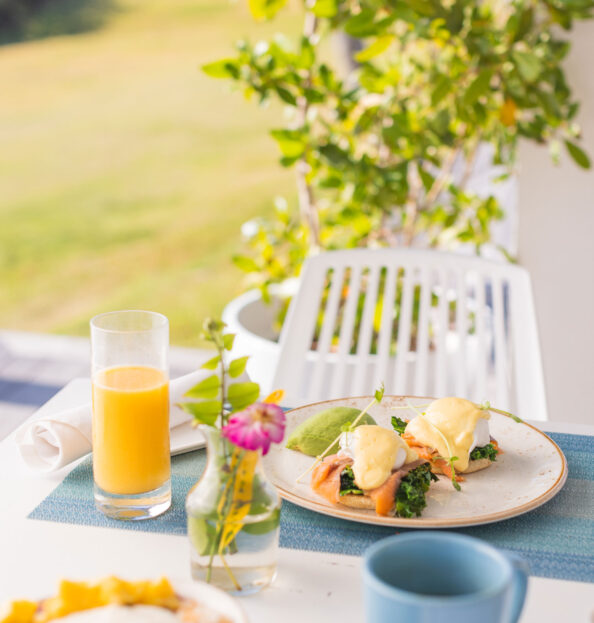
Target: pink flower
column 256, row 426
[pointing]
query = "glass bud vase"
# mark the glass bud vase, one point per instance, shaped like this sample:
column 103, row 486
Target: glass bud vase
column 233, row 516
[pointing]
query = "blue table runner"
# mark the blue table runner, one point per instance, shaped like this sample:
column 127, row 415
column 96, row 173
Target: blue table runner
column 557, row 539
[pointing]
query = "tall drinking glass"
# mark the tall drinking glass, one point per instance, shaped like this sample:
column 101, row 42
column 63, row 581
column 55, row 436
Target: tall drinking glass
column 131, row 456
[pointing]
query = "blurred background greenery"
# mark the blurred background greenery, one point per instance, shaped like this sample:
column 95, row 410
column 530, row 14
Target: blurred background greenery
column 126, row 173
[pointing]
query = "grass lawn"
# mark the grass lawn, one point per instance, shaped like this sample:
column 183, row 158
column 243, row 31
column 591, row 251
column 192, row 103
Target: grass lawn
column 125, row 173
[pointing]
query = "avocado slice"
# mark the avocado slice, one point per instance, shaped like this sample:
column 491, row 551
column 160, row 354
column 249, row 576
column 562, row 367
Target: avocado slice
column 314, row 435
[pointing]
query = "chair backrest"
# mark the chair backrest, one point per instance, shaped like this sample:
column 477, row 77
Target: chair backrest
column 423, row 322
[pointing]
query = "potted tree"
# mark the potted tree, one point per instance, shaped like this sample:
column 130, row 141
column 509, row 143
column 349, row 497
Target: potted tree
column 384, row 154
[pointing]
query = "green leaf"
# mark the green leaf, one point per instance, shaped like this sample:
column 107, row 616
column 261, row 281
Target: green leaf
column 379, row 393
column 290, row 142
column 205, row 412
column 332, row 181
column 228, row 340
column 237, row 367
column 241, row 395
column 262, row 527
column 362, row 24
column 398, row 424
column 578, row 154
column 202, row 535
column 287, row 162
column 442, row 88
column 427, row 179
column 313, row 96
column 381, row 44
column 266, row 9
column 423, row 7
column 478, row 87
column 286, row 96
column 324, row 8
column 211, row 364
column 208, row 388
column 245, row 263
column 529, row 66
column 225, row 68
column 307, row 55
column 334, row 154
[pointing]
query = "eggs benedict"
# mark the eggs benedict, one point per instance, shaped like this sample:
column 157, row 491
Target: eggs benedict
column 453, row 432
column 369, row 470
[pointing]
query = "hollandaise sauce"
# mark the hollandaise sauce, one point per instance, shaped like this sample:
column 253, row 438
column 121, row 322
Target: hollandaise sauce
column 375, row 451
column 450, row 426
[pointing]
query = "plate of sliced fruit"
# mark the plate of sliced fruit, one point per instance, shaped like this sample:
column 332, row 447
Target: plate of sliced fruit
column 114, row 600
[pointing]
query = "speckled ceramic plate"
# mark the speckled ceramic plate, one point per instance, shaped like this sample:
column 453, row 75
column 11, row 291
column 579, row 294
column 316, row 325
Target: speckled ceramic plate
column 530, row 472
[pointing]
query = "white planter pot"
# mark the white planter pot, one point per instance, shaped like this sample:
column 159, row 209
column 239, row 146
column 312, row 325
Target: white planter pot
column 253, row 323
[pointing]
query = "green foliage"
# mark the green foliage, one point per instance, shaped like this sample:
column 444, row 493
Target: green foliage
column 237, row 367
column 214, row 398
column 265, row 9
column 241, row 395
column 208, row 388
column 205, row 412
column 375, row 151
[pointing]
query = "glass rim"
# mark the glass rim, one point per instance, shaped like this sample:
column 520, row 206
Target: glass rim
column 163, row 321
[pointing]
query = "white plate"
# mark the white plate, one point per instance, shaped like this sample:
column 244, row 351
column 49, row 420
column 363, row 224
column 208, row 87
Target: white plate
column 531, row 470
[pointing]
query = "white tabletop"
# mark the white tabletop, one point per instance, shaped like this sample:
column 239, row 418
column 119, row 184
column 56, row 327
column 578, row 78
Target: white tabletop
column 310, row 586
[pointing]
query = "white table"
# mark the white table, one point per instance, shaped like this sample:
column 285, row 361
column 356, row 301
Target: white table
column 312, row 587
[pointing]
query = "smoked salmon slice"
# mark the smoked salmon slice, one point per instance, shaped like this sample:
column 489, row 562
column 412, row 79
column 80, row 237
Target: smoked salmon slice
column 325, row 480
column 325, row 477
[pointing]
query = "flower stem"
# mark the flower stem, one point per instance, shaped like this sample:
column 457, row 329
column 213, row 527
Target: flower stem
column 230, row 572
column 223, row 509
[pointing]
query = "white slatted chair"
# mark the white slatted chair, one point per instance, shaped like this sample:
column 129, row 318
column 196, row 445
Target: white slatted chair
column 351, row 326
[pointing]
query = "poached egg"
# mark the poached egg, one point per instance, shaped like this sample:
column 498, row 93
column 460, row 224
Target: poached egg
column 376, row 452
column 456, row 421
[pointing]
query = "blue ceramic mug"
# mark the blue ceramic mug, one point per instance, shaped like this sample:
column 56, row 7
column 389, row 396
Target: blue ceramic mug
column 438, row 577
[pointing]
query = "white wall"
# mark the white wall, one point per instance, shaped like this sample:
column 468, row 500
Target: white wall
column 556, row 244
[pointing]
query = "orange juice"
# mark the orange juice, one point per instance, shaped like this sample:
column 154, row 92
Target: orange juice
column 131, row 429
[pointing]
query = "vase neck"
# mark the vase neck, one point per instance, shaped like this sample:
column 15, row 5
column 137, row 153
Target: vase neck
column 221, row 451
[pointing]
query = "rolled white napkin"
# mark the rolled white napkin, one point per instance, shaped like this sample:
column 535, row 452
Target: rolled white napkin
column 51, row 442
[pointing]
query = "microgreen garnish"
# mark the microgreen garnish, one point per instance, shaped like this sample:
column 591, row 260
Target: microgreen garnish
column 377, row 398
column 347, row 427
column 398, row 424
column 486, row 405
column 451, row 460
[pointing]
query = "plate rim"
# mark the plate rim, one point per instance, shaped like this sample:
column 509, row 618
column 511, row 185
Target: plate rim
column 212, row 596
column 356, row 515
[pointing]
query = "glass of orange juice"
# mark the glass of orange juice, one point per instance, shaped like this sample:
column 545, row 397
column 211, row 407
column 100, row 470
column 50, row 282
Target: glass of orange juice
column 131, row 455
